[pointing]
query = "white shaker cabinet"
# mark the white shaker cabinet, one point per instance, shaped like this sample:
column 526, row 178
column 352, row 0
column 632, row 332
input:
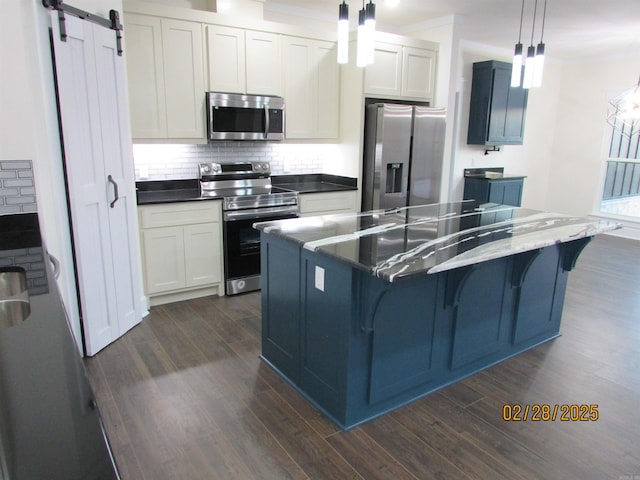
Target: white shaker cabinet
column 226, row 59
column 311, row 88
column 181, row 250
column 243, row 61
column 165, row 64
column 401, row 72
column 263, row 63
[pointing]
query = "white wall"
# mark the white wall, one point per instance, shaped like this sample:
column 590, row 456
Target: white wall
column 581, row 136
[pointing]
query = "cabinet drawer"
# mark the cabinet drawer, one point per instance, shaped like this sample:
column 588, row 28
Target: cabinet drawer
column 327, row 203
column 187, row 213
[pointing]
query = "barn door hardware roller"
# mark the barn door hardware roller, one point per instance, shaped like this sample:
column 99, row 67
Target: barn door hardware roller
column 112, row 23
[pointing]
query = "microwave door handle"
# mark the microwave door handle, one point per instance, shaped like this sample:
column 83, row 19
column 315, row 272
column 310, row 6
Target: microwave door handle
column 266, row 120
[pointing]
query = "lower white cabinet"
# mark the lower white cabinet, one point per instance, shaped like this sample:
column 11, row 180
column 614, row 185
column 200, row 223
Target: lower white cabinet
column 181, row 250
column 329, row 203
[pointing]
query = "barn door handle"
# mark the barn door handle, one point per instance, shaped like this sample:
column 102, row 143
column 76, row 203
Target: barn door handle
column 115, row 190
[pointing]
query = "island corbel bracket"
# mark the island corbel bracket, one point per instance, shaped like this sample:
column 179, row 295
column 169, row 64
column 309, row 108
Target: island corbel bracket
column 521, row 264
column 571, row 251
column 368, row 318
column 455, row 281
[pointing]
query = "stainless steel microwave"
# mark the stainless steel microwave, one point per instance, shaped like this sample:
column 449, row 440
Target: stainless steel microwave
column 232, row 116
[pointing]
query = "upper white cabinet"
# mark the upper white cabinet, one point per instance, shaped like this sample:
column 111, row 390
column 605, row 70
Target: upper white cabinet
column 264, row 63
column 244, row 61
column 311, row 88
column 226, row 59
column 165, row 66
column 401, row 72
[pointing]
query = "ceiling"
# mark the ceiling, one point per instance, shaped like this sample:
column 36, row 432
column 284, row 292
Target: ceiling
column 573, row 28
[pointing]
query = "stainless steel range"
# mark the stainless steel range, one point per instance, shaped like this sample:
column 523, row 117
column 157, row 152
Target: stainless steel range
column 248, row 197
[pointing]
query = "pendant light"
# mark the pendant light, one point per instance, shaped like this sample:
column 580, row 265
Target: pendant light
column 539, row 62
column 343, row 33
column 366, row 33
column 625, row 112
column 361, row 51
column 370, row 25
column 516, row 69
column 529, row 65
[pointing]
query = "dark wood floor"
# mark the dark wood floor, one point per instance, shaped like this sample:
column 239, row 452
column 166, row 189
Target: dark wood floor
column 185, row 396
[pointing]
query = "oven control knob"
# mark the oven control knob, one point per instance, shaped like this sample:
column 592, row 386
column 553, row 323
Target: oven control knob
column 206, row 169
column 216, row 168
column 265, row 166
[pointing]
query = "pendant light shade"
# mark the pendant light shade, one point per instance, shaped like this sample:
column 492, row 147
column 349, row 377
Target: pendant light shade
column 361, row 51
column 343, row 33
column 370, row 25
column 538, row 66
column 516, row 68
column 527, row 81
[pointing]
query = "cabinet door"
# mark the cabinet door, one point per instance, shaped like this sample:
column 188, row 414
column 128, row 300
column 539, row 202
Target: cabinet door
column 226, row 54
column 164, row 259
column 498, row 110
column 146, row 76
column 202, row 254
column 184, row 78
column 328, row 94
column 506, row 192
column 385, row 75
column 300, row 87
column 264, row 63
column 418, row 73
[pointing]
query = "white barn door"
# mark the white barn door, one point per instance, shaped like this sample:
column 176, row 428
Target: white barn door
column 100, row 179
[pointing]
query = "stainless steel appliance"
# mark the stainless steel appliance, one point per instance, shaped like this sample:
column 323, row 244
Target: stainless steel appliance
column 233, row 116
column 403, row 154
column 248, row 197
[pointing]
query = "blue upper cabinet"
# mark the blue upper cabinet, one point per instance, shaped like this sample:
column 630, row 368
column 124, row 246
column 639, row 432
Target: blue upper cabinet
column 497, row 110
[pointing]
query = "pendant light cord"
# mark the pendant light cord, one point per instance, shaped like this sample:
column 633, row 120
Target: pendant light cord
column 533, row 27
column 544, row 16
column 521, row 17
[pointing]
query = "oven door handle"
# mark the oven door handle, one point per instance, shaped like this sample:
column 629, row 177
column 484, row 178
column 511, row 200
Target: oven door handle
column 257, row 213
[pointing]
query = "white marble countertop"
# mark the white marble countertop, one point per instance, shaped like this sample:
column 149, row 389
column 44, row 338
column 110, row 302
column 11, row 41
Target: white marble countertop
column 432, row 238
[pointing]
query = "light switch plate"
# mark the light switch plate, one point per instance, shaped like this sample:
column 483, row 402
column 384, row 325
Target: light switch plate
column 319, row 278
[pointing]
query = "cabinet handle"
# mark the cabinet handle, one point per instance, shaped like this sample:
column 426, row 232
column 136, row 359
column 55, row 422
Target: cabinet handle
column 115, row 190
column 266, row 120
column 56, row 265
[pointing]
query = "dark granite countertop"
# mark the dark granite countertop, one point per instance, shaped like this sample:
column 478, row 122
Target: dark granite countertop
column 314, row 183
column 49, row 424
column 431, row 238
column 171, row 191
column 492, row 173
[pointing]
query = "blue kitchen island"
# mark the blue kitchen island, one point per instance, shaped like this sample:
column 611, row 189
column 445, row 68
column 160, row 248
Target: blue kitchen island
column 363, row 313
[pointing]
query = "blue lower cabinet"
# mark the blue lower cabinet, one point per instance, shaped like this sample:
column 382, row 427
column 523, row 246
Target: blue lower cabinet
column 358, row 347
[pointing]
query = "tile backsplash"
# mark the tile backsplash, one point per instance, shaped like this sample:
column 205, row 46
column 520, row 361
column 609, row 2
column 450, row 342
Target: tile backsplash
column 17, row 191
column 175, row 162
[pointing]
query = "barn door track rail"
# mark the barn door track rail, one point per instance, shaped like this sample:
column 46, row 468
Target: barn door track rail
column 112, row 23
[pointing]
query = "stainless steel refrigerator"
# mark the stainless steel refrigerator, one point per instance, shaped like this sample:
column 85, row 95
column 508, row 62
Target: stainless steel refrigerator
column 403, row 154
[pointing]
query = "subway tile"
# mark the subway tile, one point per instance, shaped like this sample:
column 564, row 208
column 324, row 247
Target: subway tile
column 15, row 165
column 7, row 209
column 9, row 192
column 20, row 200
column 9, row 173
column 18, row 183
